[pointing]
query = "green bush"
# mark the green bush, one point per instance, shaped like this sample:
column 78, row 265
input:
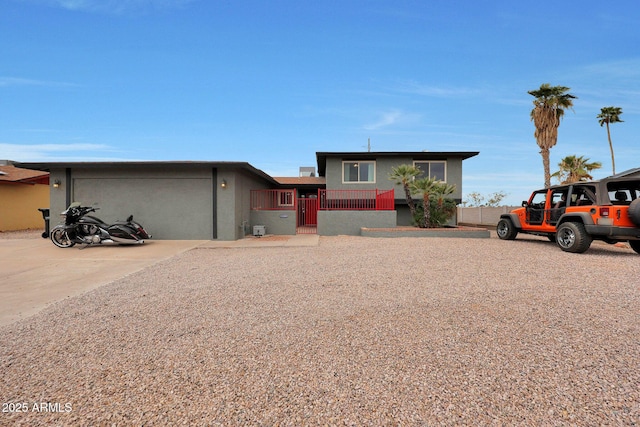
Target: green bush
column 442, row 210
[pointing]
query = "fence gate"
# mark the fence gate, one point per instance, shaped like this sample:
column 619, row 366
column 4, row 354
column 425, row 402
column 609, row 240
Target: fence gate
column 307, row 217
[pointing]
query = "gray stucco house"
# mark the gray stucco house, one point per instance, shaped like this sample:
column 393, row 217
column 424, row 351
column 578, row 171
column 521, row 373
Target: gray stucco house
column 224, row 200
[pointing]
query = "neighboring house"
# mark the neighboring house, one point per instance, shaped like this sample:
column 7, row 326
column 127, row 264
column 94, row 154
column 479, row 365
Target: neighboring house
column 224, row 200
column 22, row 192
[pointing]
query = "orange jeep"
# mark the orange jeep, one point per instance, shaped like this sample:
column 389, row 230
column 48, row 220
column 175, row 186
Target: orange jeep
column 573, row 215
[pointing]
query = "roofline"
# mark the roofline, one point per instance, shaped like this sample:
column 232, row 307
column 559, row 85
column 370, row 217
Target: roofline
column 47, row 166
column 626, row 173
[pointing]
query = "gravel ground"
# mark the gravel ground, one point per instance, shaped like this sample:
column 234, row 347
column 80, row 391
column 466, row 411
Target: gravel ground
column 356, row 331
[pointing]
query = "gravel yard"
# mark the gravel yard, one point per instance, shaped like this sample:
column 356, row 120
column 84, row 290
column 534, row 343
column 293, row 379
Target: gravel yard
column 356, row 331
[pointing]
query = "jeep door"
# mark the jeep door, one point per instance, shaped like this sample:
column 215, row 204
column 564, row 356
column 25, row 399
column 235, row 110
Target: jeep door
column 536, row 207
column 558, row 205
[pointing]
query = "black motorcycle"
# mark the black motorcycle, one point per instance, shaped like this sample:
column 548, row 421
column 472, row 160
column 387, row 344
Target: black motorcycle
column 79, row 227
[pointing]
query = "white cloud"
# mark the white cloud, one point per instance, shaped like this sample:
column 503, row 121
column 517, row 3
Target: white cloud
column 386, row 119
column 6, row 81
column 54, row 152
column 416, row 88
column 112, row 6
column 624, row 68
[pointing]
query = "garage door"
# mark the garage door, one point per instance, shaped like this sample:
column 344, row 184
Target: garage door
column 176, row 208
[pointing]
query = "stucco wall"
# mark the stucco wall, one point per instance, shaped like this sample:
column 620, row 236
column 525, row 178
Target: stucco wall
column 19, row 206
column 234, row 203
column 334, row 223
column 484, row 216
column 277, row 222
column 383, row 170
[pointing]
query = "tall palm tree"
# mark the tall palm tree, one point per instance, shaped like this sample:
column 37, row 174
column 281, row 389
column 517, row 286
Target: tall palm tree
column 610, row 115
column 405, row 175
column 574, row 169
column 549, row 105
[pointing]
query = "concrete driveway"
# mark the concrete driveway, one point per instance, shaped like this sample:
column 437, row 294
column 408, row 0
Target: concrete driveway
column 35, row 273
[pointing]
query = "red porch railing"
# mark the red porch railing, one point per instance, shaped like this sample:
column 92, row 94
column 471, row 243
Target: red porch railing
column 273, row 200
column 356, row 200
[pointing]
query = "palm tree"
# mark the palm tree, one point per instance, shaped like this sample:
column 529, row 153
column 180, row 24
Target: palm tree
column 443, row 210
column 430, row 186
column 404, row 175
column 549, row 104
column 610, row 115
column 574, row 169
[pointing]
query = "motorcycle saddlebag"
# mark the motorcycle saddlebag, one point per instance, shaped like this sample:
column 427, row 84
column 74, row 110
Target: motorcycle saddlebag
column 120, row 231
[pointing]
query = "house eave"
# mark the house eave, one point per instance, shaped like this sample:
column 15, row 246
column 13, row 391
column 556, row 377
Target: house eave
column 48, row 166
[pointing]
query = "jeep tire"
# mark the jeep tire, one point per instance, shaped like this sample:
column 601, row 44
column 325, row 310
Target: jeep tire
column 572, row 237
column 634, row 212
column 506, row 230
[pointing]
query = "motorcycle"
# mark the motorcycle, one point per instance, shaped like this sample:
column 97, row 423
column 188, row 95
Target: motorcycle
column 79, row 227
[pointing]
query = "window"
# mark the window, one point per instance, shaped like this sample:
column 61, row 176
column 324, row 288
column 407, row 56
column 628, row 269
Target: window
column 285, row 198
column 538, row 200
column 535, row 208
column 432, row 169
column 623, row 193
column 558, row 205
column 359, row 171
column 583, row 196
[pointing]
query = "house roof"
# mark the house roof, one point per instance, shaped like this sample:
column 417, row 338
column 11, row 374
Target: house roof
column 142, row 164
column 301, row 180
column 372, row 155
column 12, row 174
column 629, row 172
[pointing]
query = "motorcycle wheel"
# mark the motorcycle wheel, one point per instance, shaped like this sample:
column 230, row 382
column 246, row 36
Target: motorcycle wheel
column 61, row 239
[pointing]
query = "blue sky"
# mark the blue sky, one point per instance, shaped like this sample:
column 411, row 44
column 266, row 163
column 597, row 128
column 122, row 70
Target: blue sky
column 271, row 82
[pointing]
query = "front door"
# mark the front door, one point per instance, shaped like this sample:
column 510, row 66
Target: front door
column 307, row 215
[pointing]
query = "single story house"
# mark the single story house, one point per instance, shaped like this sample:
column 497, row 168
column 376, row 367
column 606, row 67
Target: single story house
column 225, row 200
column 22, row 193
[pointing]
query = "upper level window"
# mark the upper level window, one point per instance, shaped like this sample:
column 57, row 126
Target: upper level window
column 433, row 169
column 360, row 171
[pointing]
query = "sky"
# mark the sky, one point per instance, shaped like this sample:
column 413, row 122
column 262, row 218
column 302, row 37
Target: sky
column 273, row 82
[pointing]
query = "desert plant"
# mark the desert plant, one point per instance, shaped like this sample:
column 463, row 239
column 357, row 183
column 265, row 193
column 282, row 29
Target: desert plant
column 477, row 200
column 431, row 188
column 440, row 213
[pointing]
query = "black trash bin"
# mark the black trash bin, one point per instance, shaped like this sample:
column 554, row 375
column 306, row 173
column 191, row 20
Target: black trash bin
column 45, row 216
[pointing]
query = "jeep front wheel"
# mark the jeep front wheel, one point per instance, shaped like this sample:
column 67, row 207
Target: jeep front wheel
column 572, row 237
column 506, row 230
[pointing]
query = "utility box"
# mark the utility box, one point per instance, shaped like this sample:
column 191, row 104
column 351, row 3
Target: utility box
column 259, row 230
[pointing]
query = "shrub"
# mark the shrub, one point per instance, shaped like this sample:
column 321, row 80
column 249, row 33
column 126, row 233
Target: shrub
column 442, row 210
